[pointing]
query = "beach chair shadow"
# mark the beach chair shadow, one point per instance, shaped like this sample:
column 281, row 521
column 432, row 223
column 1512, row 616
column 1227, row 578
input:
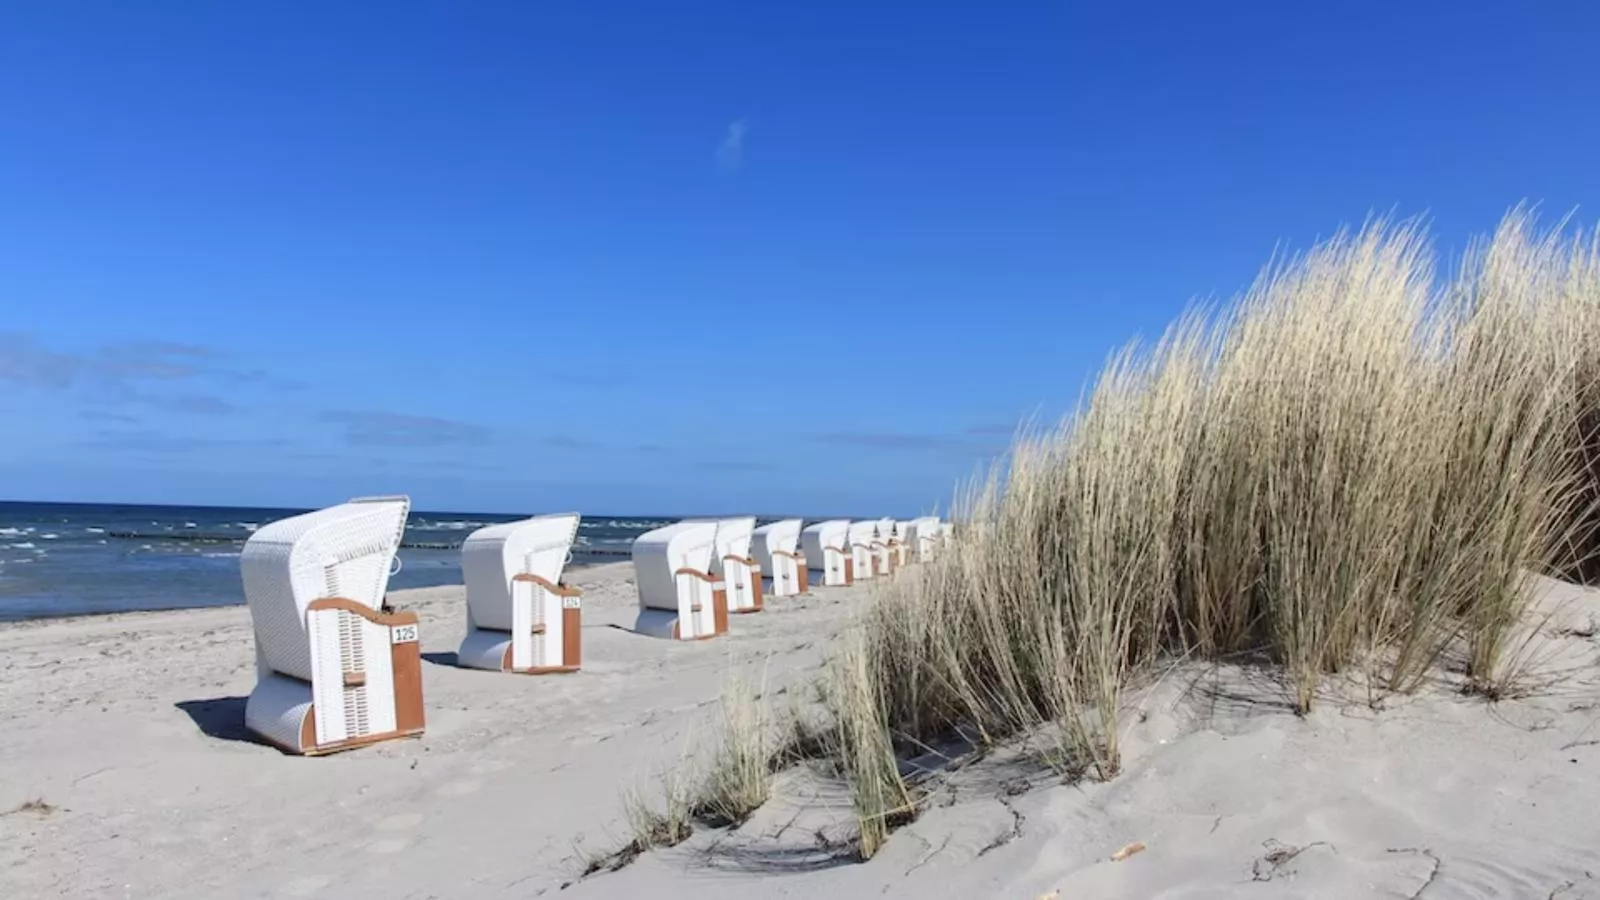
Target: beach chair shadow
column 219, row 717
column 448, row 658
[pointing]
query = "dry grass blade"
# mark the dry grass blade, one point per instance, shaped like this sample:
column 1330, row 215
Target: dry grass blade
column 739, row 779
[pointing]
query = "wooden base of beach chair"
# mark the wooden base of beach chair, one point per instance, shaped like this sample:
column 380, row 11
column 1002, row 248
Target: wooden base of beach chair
column 282, row 712
column 493, row 650
column 757, row 600
column 571, row 646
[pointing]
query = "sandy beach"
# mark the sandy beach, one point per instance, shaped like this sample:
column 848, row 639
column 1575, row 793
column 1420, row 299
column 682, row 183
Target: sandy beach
column 128, row 729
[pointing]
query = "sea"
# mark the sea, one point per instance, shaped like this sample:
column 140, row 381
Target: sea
column 69, row 559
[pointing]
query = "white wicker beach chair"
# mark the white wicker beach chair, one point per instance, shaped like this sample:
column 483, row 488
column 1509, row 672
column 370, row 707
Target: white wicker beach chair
column 520, row 617
column 900, row 545
column 774, row 548
column 677, row 595
column 947, row 534
column 883, row 546
column 826, row 545
column 334, row 671
column 923, row 538
column 734, row 567
column 863, row 555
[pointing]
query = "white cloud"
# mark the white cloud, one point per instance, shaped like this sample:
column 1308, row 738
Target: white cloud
column 730, row 154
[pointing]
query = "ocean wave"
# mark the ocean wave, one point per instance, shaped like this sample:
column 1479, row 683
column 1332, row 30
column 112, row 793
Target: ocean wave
column 49, row 537
column 455, row 525
column 15, row 532
column 620, row 524
column 190, row 525
column 247, row 526
column 219, row 555
column 23, row 546
column 95, row 530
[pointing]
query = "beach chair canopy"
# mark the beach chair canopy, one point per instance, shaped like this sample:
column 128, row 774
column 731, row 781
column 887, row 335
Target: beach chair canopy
column 733, row 539
column 660, row 553
column 783, row 535
column 820, row 535
column 343, row 551
column 863, row 532
column 492, row 556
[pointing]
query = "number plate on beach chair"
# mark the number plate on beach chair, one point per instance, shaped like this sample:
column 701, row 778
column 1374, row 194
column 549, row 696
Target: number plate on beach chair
column 403, row 634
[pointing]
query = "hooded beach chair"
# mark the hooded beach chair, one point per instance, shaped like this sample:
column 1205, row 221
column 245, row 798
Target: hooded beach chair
column 923, row 538
column 947, row 535
column 826, row 545
column 672, row 568
column 333, row 670
column 734, row 569
column 520, row 617
column 863, row 555
column 901, row 545
column 883, row 546
column 774, row 547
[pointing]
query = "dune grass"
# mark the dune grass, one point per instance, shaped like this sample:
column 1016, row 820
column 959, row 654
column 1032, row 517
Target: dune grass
column 655, row 826
column 1355, row 466
column 739, row 777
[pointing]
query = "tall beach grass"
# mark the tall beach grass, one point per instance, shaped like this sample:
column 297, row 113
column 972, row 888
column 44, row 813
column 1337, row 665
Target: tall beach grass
column 1356, row 466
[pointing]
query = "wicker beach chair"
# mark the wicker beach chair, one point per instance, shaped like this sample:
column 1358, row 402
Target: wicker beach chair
column 826, row 545
column 520, row 617
column 774, row 547
column 923, row 538
column 883, row 546
column 334, row 670
column 900, row 544
column 863, row 554
column 734, row 569
column 677, row 594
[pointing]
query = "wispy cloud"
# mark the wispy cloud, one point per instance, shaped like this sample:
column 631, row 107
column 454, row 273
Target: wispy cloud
column 145, row 441
column 733, row 466
column 125, row 395
column 568, row 442
column 730, row 153
column 122, row 373
column 894, row 440
column 26, row 362
column 100, row 415
column 198, row 404
column 380, row 428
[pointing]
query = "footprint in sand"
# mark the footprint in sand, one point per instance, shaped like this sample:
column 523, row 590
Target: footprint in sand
column 491, row 766
column 460, row 788
column 388, row 847
column 309, row 886
column 401, row 822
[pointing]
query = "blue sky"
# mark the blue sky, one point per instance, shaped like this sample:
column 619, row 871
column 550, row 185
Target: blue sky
column 655, row 258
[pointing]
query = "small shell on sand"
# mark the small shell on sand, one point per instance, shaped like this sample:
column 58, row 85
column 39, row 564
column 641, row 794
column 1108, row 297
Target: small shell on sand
column 1125, row 852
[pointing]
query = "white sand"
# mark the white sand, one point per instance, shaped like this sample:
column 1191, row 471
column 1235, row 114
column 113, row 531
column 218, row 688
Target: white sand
column 130, row 727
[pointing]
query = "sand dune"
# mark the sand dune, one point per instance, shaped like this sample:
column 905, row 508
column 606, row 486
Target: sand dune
column 129, row 729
